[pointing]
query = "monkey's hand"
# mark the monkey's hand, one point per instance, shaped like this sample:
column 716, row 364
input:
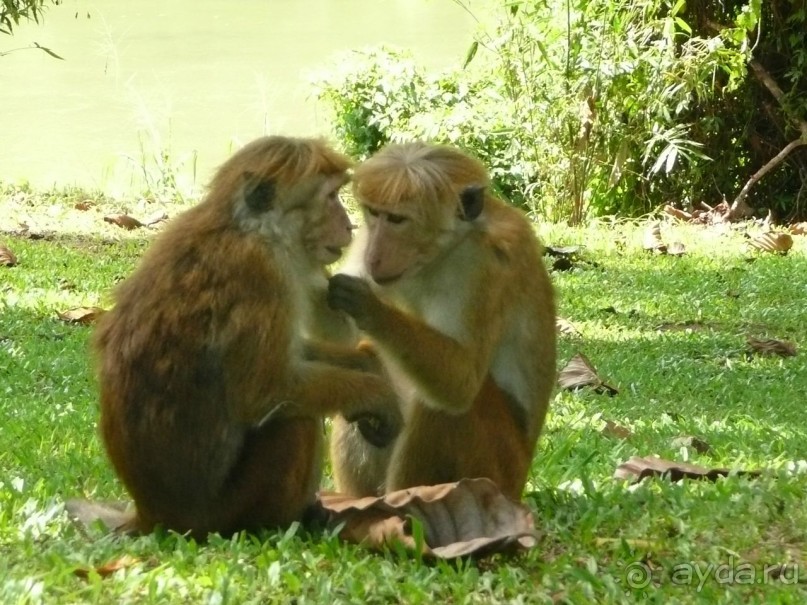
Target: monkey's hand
column 354, row 296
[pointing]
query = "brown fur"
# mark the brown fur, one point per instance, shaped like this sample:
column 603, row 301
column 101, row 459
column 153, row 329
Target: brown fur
column 462, row 313
column 211, row 400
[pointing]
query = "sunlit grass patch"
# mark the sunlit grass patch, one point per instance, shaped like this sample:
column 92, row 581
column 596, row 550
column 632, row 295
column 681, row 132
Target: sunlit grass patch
column 668, row 332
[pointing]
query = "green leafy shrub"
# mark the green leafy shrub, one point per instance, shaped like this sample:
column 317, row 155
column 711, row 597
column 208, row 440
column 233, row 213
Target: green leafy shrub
column 578, row 107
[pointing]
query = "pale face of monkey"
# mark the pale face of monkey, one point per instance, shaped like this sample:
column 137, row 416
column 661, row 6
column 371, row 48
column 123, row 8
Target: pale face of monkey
column 400, row 243
column 330, row 229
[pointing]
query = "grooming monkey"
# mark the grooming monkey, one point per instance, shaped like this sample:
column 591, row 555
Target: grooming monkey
column 211, row 398
column 461, row 311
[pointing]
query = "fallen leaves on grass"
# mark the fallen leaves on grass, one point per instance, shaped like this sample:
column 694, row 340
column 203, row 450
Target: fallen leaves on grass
column 638, row 468
column 691, row 325
column 579, row 372
column 84, row 205
column 652, row 242
column 771, row 346
column 617, row 431
column 130, row 223
column 798, row 228
column 709, row 215
column 81, row 315
column 564, row 326
column 7, row 257
column 696, row 443
column 107, row 569
column 772, row 241
column 114, row 516
column 123, row 220
column 469, row 517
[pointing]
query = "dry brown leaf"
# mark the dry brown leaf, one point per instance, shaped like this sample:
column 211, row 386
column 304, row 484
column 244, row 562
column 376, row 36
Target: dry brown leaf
column 107, row 569
column 676, row 249
column 7, row 257
column 612, row 429
column 579, row 372
column 697, row 444
column 81, row 315
column 772, row 241
column 114, row 516
column 652, row 239
column 617, row 431
column 84, row 205
column 771, row 346
column 566, row 327
column 561, row 250
column 470, row 517
column 155, row 218
column 798, row 229
column 634, row 543
column 679, row 214
column 692, row 325
column 123, row 220
column 638, row 468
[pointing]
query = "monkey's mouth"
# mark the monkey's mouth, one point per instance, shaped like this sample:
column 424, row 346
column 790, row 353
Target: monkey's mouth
column 335, row 250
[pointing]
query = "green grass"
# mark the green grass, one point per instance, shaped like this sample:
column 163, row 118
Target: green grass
column 597, row 533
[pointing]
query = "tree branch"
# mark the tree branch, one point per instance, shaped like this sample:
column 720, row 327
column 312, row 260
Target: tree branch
column 769, row 165
column 738, row 206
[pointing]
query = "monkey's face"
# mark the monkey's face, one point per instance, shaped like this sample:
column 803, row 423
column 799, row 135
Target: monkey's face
column 328, row 230
column 402, row 241
column 306, row 217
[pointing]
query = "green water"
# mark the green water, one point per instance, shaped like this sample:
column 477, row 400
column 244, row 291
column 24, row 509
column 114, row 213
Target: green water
column 193, row 78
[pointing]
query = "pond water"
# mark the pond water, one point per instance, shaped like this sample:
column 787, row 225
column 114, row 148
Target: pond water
column 193, row 78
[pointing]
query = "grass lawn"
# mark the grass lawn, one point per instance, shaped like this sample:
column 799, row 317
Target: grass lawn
column 668, row 332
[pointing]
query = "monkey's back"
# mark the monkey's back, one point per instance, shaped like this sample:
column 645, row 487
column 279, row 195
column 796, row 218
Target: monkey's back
column 181, row 359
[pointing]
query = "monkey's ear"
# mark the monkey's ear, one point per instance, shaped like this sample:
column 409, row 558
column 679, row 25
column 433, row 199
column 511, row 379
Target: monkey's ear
column 258, row 192
column 472, row 200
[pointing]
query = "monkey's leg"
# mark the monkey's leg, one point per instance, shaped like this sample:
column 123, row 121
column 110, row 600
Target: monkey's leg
column 487, row 441
column 359, row 468
column 277, row 475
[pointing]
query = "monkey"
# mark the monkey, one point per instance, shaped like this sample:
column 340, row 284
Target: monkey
column 448, row 284
column 211, row 397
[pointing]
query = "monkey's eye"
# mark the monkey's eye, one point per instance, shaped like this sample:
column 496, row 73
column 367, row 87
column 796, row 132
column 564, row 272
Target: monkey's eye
column 371, row 211
column 396, row 219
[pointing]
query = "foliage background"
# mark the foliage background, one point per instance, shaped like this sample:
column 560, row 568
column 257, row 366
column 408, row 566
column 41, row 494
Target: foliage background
column 596, row 107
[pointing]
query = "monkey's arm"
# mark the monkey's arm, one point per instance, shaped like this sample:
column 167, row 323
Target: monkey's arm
column 450, row 372
column 363, row 357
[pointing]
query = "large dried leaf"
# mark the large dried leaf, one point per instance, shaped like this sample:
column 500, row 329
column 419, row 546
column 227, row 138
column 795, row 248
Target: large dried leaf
column 114, row 516
column 690, row 441
column 107, row 569
column 652, row 239
column 84, row 205
column 676, row 249
column 772, row 241
column 564, row 326
column 579, row 372
column 679, row 214
column 7, row 257
column 638, row 468
column 559, row 251
column 771, row 346
column 155, row 218
column 81, row 315
column 617, row 431
column 690, row 325
column 123, row 220
column 470, row 517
